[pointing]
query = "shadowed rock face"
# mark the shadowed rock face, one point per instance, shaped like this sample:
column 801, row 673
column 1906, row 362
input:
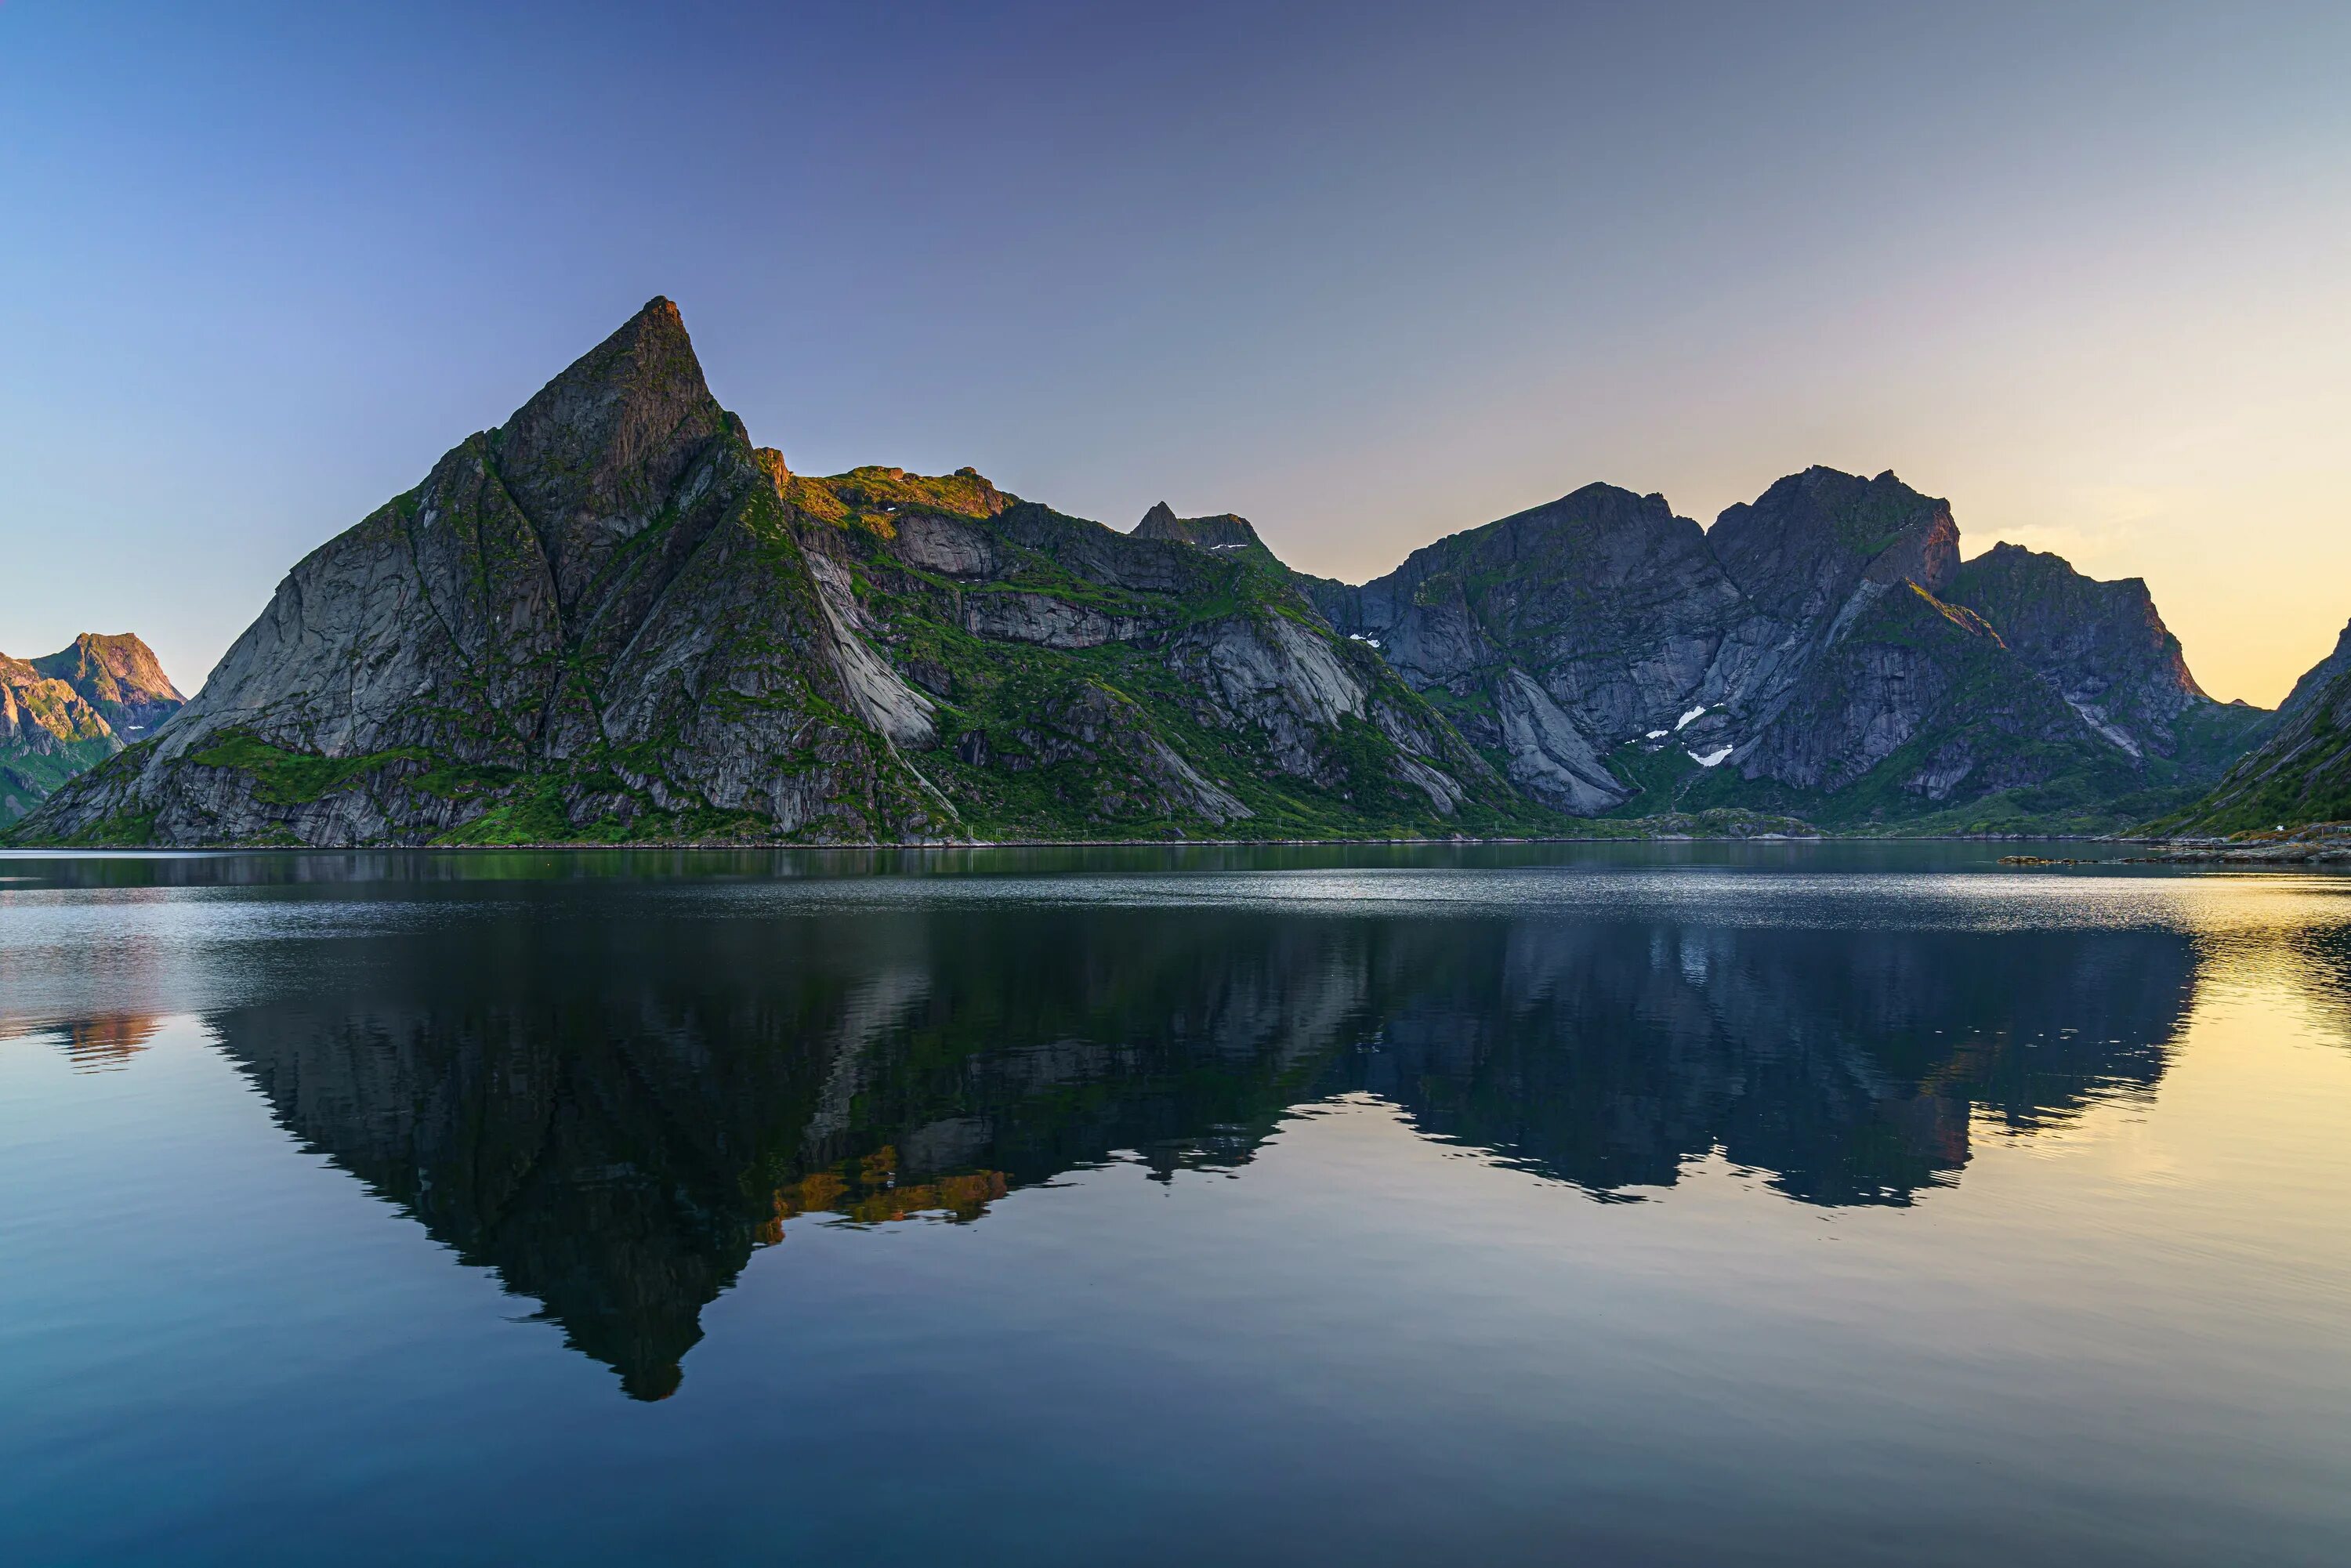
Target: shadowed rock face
column 593, row 460
column 1800, row 550
column 1820, row 651
column 2301, row 772
column 613, row 1114
column 1558, row 631
column 2101, row 644
column 1223, row 532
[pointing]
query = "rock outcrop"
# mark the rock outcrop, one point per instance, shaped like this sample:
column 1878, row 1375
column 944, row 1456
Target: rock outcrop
column 1222, row 532
column 119, row 676
column 590, row 619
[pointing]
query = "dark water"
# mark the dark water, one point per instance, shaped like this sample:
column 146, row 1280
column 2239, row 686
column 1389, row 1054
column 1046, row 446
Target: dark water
column 1797, row 1203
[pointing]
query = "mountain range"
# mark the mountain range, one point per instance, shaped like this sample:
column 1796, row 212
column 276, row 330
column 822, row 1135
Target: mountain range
column 76, row 708
column 614, row 618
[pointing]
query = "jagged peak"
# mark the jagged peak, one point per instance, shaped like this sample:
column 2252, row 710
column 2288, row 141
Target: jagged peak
column 1821, row 476
column 649, row 347
column 593, row 457
column 2017, row 560
column 1223, row 531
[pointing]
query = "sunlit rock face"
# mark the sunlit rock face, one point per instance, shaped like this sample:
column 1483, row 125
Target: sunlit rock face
column 615, row 1115
column 71, row 710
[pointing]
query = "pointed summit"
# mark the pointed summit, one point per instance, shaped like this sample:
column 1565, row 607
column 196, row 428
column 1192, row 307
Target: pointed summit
column 1222, row 532
column 590, row 457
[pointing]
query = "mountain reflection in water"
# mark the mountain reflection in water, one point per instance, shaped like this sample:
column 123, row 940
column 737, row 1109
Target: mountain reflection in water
column 612, row 1114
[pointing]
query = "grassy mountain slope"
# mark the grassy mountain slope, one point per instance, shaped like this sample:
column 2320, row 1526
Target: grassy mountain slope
column 2300, row 774
column 1092, row 684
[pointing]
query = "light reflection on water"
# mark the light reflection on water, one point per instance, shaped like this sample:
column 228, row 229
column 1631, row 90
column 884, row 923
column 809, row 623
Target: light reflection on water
column 1790, row 1203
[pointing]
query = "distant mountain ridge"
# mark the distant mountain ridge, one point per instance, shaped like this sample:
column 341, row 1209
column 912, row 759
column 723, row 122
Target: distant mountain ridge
column 614, row 619
column 70, row 709
column 1822, row 651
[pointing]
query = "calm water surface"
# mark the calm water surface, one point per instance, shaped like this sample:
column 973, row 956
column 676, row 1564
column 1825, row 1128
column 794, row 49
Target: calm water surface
column 1783, row 1204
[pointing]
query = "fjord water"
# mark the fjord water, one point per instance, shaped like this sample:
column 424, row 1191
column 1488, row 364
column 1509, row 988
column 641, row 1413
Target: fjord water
column 1656, row 1204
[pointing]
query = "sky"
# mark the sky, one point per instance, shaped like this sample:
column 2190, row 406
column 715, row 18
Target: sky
column 1366, row 273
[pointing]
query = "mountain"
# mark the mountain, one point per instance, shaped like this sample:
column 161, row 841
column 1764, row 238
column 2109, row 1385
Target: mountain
column 76, row 708
column 1549, row 635
column 613, row 619
column 2300, row 774
column 2107, row 652
column 119, row 676
column 1821, row 650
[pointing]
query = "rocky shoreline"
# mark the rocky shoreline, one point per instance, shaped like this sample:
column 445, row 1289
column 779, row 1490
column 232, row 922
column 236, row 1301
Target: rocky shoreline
column 2320, row 843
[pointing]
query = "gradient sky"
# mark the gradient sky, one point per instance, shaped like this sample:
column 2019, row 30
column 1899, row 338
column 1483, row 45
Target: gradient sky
column 1366, row 273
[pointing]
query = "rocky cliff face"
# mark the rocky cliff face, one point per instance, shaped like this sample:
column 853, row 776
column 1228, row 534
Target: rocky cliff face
column 1223, row 532
column 76, row 708
column 613, row 619
column 1074, row 681
column 2300, row 773
column 1551, row 635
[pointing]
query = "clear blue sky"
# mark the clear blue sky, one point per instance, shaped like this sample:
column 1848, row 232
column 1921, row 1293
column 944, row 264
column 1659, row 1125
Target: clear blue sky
column 1368, row 274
